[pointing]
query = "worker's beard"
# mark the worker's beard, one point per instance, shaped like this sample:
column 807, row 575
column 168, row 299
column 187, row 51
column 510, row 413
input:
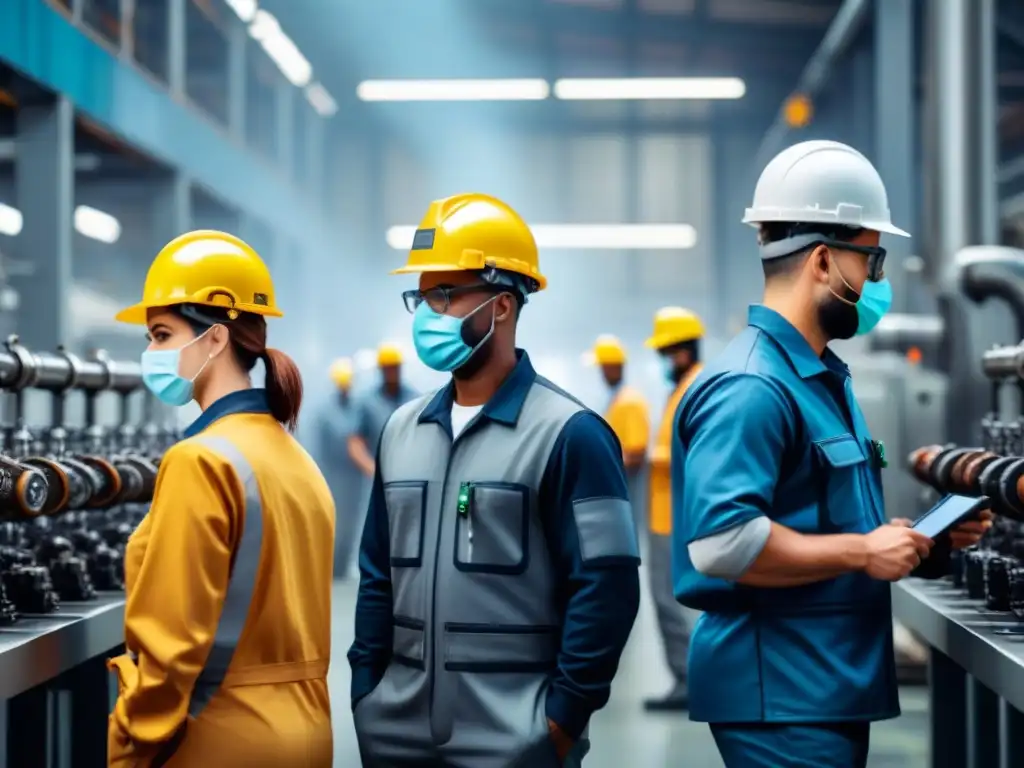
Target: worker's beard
column 473, row 332
column 837, row 318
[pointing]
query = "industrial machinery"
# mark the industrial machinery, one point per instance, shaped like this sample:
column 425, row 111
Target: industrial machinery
column 993, row 571
column 69, row 497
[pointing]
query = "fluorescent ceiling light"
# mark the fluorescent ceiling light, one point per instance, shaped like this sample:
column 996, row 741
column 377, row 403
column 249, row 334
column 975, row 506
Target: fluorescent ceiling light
column 10, row 220
column 321, row 100
column 266, row 30
column 649, row 88
column 89, row 222
column 605, row 237
column 244, row 9
column 453, row 90
column 97, row 224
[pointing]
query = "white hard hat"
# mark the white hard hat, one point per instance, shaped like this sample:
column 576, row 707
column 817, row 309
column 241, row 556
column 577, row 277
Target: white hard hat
column 822, row 182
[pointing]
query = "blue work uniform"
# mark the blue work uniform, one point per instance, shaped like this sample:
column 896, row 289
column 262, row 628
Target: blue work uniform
column 373, row 409
column 498, row 583
column 337, row 424
column 772, row 429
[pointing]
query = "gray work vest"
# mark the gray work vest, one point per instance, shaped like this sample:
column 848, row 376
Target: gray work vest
column 476, row 625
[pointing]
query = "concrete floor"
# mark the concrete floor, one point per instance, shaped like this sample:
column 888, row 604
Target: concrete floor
column 622, row 733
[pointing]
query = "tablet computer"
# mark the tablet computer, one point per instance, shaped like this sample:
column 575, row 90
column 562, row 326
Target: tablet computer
column 949, row 513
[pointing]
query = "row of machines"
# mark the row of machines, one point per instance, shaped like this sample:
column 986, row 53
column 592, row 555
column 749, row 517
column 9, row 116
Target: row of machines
column 993, row 571
column 69, row 496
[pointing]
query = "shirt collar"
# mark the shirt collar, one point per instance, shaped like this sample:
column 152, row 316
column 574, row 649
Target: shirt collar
column 243, row 401
column 503, row 407
column 794, row 345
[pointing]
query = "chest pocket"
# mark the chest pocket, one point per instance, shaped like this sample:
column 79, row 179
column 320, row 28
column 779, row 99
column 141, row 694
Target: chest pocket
column 492, row 528
column 406, row 501
column 844, row 504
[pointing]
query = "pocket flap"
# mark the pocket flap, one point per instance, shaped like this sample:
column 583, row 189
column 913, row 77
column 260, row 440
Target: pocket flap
column 841, row 451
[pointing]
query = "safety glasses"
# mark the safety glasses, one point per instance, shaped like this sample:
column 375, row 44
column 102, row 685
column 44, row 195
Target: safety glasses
column 875, row 254
column 440, row 298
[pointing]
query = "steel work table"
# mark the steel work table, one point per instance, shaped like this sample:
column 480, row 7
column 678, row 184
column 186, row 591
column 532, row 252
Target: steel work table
column 54, row 684
column 976, row 675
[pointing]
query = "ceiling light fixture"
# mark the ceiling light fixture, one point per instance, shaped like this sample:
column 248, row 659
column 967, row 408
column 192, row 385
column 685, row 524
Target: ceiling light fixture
column 97, row 224
column 11, row 220
column 649, row 88
column 453, row 90
column 266, row 30
column 244, row 9
column 591, row 237
column 321, row 100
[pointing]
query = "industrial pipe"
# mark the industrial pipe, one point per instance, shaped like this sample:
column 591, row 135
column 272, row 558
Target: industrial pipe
column 846, row 25
column 1001, row 363
column 898, row 332
column 994, row 271
column 59, row 371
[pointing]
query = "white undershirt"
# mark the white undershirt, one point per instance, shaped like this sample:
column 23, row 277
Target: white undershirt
column 461, row 416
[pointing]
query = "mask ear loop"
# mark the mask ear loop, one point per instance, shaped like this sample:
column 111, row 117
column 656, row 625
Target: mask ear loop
column 205, row 362
column 839, row 272
column 490, row 332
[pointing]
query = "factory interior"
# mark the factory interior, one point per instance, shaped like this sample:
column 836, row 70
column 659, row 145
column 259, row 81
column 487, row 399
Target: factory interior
column 629, row 135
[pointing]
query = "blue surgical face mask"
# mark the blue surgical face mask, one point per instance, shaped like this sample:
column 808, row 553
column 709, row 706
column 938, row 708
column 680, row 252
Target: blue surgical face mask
column 160, row 373
column 875, row 300
column 438, row 338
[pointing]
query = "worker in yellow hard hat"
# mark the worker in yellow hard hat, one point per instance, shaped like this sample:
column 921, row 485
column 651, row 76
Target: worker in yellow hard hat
column 676, row 339
column 337, row 424
column 228, row 577
column 375, row 406
column 627, row 412
column 499, row 503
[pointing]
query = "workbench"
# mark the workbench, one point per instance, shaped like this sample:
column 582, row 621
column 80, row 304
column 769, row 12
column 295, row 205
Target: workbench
column 54, row 684
column 975, row 675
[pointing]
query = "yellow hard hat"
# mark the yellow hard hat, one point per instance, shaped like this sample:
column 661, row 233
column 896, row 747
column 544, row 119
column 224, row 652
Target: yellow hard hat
column 210, row 268
column 473, row 232
column 674, row 325
column 608, row 350
column 341, row 372
column 388, row 354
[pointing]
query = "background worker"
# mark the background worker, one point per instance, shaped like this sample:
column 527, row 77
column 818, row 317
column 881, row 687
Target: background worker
column 676, row 339
column 628, row 416
column 228, row 577
column 337, row 423
column 504, row 499
column 781, row 535
column 375, row 406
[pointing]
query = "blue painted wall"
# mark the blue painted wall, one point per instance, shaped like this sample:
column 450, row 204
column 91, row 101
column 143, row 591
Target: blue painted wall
column 40, row 42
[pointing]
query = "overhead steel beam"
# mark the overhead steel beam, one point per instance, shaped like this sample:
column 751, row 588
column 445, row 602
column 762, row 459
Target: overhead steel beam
column 847, row 24
column 621, row 24
column 83, row 162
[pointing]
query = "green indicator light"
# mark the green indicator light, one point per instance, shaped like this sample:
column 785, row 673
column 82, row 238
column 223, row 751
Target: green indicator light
column 463, row 500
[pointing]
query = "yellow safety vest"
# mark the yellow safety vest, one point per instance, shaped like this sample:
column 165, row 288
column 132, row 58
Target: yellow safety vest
column 629, row 417
column 660, row 495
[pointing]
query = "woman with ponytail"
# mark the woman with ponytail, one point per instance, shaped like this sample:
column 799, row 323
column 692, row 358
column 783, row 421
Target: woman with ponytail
column 228, row 578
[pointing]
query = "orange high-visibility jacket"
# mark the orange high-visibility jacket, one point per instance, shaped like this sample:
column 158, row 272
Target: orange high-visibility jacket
column 228, row 613
column 629, row 418
column 660, row 495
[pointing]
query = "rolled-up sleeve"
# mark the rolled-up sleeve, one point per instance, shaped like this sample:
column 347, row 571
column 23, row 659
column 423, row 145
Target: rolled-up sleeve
column 592, row 535
column 733, row 436
column 371, row 650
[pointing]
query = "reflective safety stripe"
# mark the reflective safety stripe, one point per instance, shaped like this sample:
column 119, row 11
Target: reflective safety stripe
column 241, row 582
